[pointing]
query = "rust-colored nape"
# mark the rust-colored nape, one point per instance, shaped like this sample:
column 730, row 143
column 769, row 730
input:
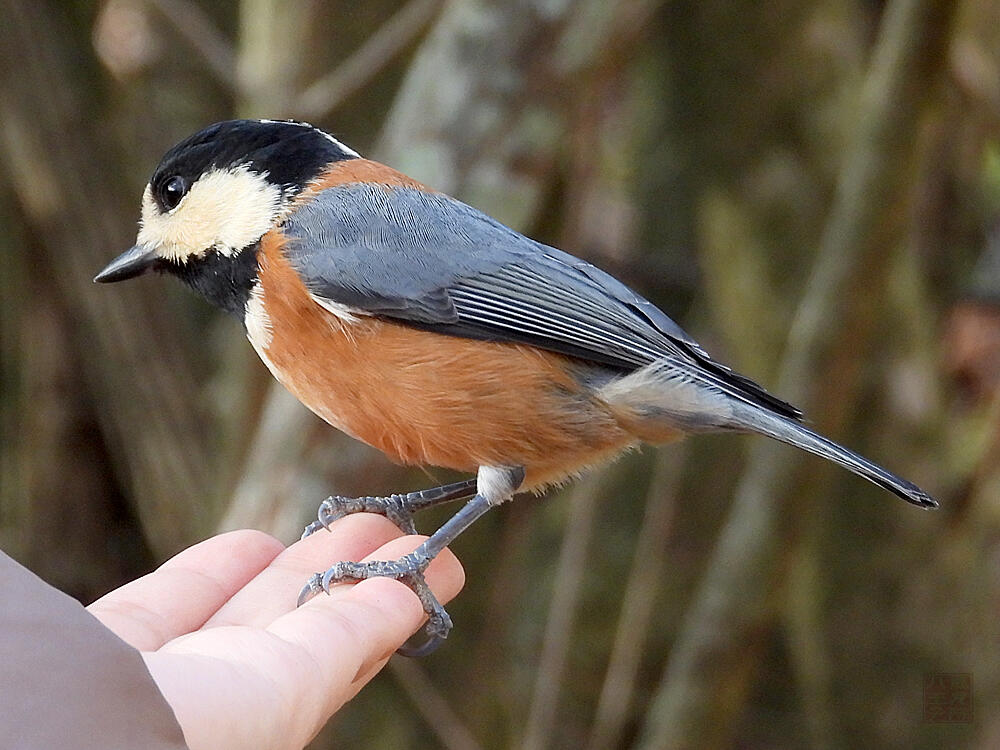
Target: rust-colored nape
column 362, row 170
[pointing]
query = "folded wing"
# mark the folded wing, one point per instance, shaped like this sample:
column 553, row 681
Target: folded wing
column 430, row 261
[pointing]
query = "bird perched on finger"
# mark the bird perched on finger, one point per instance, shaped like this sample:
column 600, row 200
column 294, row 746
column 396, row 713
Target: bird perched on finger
column 425, row 328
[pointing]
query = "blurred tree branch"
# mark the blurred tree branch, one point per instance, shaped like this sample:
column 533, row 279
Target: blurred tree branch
column 806, row 645
column 196, row 28
column 396, row 34
column 484, row 131
column 432, row 705
column 271, row 56
column 696, row 702
column 649, row 569
column 64, row 174
column 571, row 570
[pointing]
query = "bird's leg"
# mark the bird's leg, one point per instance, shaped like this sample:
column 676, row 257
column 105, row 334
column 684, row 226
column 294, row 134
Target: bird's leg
column 397, row 508
column 494, row 486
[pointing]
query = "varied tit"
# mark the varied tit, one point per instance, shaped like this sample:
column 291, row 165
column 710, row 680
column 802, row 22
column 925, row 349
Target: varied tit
column 427, row 329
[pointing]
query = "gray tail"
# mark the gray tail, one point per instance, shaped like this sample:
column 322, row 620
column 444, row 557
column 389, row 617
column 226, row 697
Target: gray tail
column 674, row 394
column 756, row 419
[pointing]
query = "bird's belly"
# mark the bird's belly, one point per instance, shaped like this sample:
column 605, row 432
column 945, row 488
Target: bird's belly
column 426, row 398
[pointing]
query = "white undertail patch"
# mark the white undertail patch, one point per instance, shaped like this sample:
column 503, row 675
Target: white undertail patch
column 668, row 390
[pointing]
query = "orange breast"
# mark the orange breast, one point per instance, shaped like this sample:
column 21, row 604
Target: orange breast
column 426, row 398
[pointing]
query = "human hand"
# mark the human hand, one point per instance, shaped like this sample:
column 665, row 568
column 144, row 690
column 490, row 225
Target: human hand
column 240, row 665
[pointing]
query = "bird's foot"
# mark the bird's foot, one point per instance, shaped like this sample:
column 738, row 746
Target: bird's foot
column 397, row 508
column 408, row 569
column 495, row 484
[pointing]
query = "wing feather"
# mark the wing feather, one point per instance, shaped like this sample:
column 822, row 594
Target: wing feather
column 433, row 262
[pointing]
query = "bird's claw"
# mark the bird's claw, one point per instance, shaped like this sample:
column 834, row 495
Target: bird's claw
column 409, row 570
column 394, row 507
column 313, row 587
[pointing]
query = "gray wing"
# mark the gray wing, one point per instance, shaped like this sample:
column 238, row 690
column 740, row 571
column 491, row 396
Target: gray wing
column 433, row 262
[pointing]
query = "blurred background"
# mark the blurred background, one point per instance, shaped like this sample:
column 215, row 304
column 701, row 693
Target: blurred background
column 812, row 189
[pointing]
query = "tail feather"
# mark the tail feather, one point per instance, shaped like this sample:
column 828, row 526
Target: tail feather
column 783, row 429
column 674, row 396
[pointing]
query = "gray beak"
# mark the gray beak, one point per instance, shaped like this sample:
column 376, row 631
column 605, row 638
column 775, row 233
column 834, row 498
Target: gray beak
column 128, row 265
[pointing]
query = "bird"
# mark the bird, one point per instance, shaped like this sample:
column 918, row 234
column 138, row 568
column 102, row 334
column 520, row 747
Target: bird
column 429, row 330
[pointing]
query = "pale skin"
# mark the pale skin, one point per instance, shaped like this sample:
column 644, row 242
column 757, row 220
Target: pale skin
column 240, row 665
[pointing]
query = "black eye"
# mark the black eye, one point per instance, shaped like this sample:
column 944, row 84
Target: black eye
column 172, row 192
